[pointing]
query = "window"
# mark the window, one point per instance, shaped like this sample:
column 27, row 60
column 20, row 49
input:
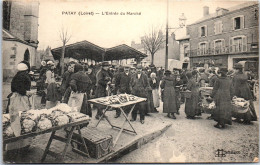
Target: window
column 238, row 22
column 218, row 27
column 202, row 48
column 6, row 14
column 186, row 50
column 203, row 31
column 219, row 46
column 238, row 44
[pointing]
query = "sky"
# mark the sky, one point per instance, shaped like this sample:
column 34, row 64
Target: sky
column 112, row 30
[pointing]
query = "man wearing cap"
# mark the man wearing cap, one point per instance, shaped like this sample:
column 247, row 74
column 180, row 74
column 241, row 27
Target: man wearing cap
column 103, row 80
column 122, row 83
column 138, row 86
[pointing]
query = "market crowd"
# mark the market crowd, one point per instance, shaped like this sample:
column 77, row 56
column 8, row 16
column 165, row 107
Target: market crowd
column 85, row 82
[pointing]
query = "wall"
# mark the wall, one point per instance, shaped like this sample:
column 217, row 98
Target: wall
column 250, row 30
column 8, row 64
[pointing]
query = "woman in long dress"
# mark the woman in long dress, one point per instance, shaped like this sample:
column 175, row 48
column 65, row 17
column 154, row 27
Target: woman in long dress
column 19, row 101
column 222, row 94
column 154, row 83
column 192, row 104
column 169, row 95
column 242, row 90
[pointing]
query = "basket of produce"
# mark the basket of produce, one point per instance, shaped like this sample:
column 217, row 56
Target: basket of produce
column 239, row 105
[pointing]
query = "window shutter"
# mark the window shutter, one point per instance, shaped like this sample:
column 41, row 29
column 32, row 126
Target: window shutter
column 242, row 22
column 199, row 32
column 207, row 48
column 244, row 44
column 206, row 30
column 213, row 47
column 230, row 45
column 215, row 27
column 223, row 45
column 233, row 20
column 198, row 50
column 221, row 27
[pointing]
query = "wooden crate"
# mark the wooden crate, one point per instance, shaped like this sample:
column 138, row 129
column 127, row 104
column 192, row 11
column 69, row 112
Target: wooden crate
column 97, row 143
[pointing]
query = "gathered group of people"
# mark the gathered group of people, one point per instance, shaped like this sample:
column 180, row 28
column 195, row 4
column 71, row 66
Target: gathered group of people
column 156, row 85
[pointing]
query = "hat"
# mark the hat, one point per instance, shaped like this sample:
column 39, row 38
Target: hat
column 22, row 67
column 194, row 72
column 50, row 63
column 238, row 66
column 153, row 74
column 43, row 63
column 189, row 75
column 105, row 63
column 167, row 72
column 201, row 70
column 78, row 67
column 127, row 66
column 132, row 67
column 223, row 69
column 138, row 66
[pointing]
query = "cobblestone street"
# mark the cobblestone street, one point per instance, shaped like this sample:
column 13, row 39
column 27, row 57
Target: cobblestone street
column 197, row 141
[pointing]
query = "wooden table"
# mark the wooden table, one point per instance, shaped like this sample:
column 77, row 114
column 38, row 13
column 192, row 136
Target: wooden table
column 67, row 140
column 117, row 106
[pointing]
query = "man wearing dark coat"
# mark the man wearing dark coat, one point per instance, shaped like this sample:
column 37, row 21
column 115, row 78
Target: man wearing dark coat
column 103, row 80
column 123, row 85
column 81, row 83
column 138, row 86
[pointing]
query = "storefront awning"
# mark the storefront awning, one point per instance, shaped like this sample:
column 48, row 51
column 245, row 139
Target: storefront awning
column 88, row 50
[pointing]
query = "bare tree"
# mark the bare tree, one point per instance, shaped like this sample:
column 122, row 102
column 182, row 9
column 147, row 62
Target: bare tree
column 153, row 41
column 65, row 37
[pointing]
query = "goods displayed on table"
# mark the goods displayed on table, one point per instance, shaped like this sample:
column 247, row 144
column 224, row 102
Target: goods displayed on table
column 118, row 99
column 39, row 120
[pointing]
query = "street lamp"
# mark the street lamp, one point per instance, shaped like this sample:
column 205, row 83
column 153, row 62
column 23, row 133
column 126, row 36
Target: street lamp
column 182, row 22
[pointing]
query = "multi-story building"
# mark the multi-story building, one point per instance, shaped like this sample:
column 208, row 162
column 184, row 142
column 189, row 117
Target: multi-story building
column 223, row 38
column 159, row 56
column 20, row 34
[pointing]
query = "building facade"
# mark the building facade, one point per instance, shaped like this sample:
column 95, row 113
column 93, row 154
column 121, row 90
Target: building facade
column 223, row 38
column 19, row 34
column 159, row 56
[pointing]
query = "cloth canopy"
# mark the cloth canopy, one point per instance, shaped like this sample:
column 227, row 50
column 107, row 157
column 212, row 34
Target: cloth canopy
column 88, row 50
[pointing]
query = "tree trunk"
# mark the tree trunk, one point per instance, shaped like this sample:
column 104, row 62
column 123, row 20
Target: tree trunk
column 62, row 59
column 152, row 59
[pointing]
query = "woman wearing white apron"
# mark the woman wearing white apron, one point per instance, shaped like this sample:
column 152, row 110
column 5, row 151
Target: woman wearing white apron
column 19, row 101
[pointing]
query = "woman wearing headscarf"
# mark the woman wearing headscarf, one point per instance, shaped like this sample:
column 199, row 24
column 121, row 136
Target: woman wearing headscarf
column 192, row 103
column 242, row 90
column 169, row 96
column 19, row 101
column 53, row 94
column 222, row 94
column 154, row 83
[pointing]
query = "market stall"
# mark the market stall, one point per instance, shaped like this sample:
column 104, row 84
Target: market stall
column 118, row 102
column 37, row 122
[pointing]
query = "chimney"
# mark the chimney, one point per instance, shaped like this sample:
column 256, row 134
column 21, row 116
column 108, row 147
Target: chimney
column 205, row 11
